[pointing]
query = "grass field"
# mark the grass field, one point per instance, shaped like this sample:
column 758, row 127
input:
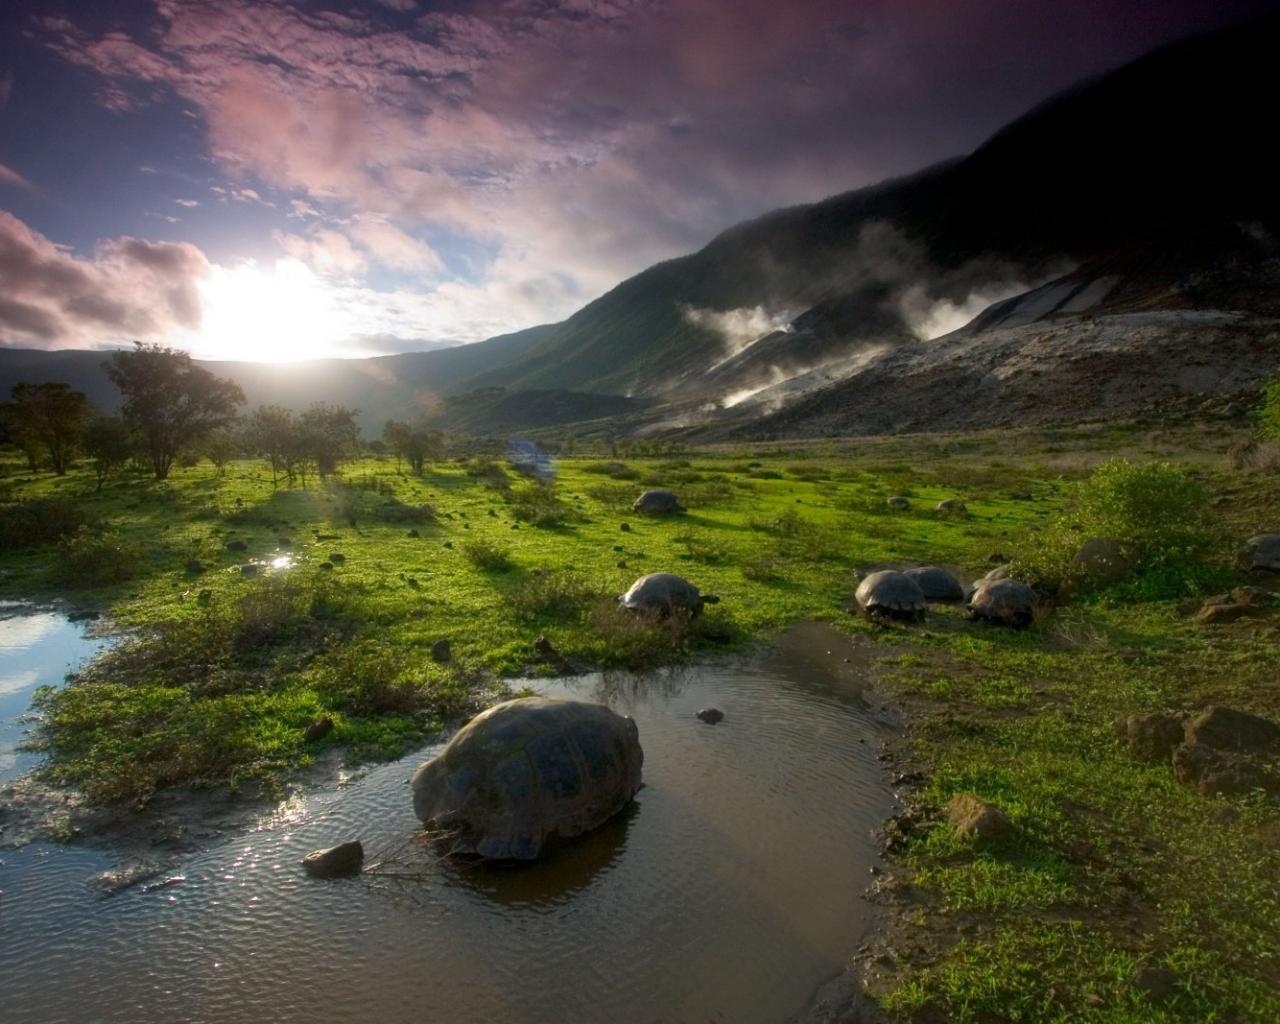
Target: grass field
column 1111, row 867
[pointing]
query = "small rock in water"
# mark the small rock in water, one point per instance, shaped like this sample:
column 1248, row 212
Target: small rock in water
column 318, row 729
column 441, row 651
column 82, row 615
column 345, row 859
column 711, row 715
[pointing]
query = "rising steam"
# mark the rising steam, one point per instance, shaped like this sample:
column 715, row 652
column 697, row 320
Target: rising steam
column 740, row 328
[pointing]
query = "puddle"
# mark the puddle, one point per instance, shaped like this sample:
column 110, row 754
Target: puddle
column 728, row 892
column 36, row 649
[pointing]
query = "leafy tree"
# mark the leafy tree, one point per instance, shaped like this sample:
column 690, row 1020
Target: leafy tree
column 271, row 431
column 327, row 436
column 220, row 447
column 416, row 443
column 109, row 442
column 172, row 403
column 50, row 416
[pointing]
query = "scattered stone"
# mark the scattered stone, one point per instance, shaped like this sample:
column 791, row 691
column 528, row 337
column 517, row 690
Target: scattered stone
column 337, row 557
column 515, row 526
column 1021, row 496
column 448, row 543
column 657, row 502
column 937, row 584
column 546, row 648
column 1217, row 614
column 493, row 512
column 1260, row 552
column 318, row 729
column 250, row 569
column 1152, row 737
column 892, row 595
column 1156, row 982
column 204, row 597
column 1104, row 561
column 621, row 563
column 284, row 542
column 711, row 715
column 898, row 501
column 236, row 545
column 345, row 859
column 83, row 615
column 952, row 505
column 1005, row 602
column 970, row 816
column 1214, row 772
column 414, row 534
column 997, row 558
column 194, row 566
column 441, row 651
column 1229, row 729
column 624, row 527
column 326, row 566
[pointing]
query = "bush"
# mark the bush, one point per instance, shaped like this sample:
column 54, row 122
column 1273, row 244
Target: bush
column 559, row 596
column 488, row 556
column 89, row 559
column 1156, row 509
column 538, row 505
column 33, row 524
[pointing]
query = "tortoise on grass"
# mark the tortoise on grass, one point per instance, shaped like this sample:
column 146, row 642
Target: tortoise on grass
column 891, row 594
column 898, row 501
column 937, row 584
column 665, row 593
column 657, row 502
column 1003, row 601
column 1260, row 552
column 528, row 772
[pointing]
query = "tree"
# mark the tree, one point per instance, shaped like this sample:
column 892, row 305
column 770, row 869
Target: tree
column 416, row 443
column 172, row 403
column 109, row 442
column 272, row 433
column 220, row 447
column 327, row 436
column 50, row 416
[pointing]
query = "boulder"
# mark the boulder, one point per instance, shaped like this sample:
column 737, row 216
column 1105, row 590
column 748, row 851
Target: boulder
column 344, row 859
column 970, row 816
column 1229, row 729
column 1216, row 772
column 1217, row 613
column 441, row 651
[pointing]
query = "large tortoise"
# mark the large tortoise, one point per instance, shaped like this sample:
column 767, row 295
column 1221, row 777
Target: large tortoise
column 665, row 593
column 891, row 594
column 657, row 502
column 1004, row 601
column 527, row 772
column 1260, row 552
column 937, row 584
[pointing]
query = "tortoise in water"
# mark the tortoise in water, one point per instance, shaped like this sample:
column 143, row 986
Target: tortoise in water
column 664, row 593
column 527, row 772
column 1004, row 601
column 657, row 502
column 937, row 584
column 891, row 594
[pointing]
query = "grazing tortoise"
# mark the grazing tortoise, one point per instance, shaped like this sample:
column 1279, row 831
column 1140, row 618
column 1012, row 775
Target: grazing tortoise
column 1261, row 551
column 1102, row 560
column 954, row 505
column 657, row 502
column 891, row 594
column 1004, row 601
column 898, row 501
column 528, row 772
column 665, row 593
column 937, row 584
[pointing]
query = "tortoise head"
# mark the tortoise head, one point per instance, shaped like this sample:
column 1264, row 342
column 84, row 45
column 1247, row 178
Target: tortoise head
column 710, row 599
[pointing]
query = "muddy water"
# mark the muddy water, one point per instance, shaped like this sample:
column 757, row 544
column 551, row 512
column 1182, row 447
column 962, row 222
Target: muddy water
column 728, row 892
column 36, row 649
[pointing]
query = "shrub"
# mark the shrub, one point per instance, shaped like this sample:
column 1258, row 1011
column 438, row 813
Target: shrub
column 89, row 559
column 538, row 505
column 559, row 596
column 487, row 555
column 33, row 524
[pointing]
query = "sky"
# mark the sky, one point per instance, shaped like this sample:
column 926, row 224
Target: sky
column 285, row 179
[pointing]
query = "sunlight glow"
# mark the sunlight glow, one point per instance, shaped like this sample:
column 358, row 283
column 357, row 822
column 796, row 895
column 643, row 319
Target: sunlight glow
column 269, row 315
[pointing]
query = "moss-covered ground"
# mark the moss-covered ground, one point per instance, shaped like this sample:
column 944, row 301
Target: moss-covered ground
column 1111, row 867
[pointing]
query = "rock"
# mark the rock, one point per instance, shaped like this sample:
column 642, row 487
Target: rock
column 898, row 501
column 997, row 558
column 1228, row 729
column 954, row 505
column 448, row 543
column 1260, row 552
column 1217, row 614
column 337, row 557
column 284, row 542
column 326, row 566
column 83, row 615
column 194, row 566
column 250, row 569
column 441, row 651
column 1102, row 560
column 414, row 534
column 318, row 729
column 345, row 859
column 970, row 816
column 1152, row 737
column 204, row 597
column 711, row 715
column 1156, row 982
column 545, row 648
column 236, row 545
column 1213, row 772
column 624, row 527
column 621, row 563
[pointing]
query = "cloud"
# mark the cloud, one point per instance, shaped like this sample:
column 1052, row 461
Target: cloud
column 8, row 176
column 131, row 288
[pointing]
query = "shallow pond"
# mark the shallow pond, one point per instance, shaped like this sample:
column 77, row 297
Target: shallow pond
column 729, row 891
column 37, row 648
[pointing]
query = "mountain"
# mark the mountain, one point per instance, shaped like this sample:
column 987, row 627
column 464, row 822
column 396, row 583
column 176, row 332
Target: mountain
column 1131, row 222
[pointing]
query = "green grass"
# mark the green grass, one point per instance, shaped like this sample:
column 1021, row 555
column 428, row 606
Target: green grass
column 1110, row 865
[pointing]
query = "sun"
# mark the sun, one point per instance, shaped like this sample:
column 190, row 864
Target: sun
column 278, row 314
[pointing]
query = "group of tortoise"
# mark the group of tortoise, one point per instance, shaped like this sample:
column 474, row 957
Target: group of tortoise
column 996, row 598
